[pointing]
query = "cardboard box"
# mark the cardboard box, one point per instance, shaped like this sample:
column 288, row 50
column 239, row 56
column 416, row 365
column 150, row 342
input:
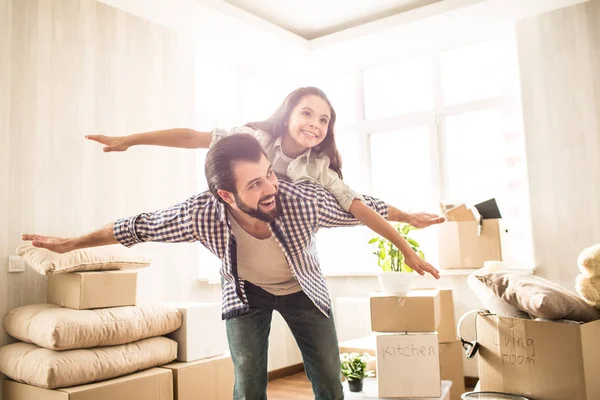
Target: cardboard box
column 462, row 213
column 539, row 360
column 408, row 365
column 369, row 391
column 202, row 333
column 467, row 245
column 451, row 367
column 152, row 384
column 211, row 378
column 99, row 289
column 419, row 311
column 362, row 345
column 447, row 329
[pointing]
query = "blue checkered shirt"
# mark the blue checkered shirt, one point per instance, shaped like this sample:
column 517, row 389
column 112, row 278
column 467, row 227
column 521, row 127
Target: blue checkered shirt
column 303, row 209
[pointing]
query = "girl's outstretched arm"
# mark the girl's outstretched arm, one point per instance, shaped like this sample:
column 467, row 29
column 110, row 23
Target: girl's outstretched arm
column 379, row 225
column 176, row 137
column 418, row 220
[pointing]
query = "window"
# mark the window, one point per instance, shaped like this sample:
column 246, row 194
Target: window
column 444, row 127
column 401, row 167
column 479, row 71
column 218, row 105
column 398, row 89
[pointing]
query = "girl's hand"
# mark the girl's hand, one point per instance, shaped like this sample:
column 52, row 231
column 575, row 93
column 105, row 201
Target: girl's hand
column 111, row 143
column 421, row 266
column 423, row 220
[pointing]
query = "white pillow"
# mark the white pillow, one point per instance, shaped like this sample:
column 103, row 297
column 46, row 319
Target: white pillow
column 28, row 363
column 102, row 258
column 489, row 299
column 57, row 328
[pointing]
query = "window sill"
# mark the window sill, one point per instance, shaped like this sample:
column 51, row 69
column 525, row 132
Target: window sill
column 443, row 272
column 209, row 281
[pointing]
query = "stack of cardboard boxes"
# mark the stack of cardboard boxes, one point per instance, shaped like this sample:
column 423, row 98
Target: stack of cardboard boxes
column 86, row 291
column 203, row 369
column 414, row 344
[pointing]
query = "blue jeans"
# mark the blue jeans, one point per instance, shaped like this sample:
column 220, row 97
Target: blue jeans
column 248, row 336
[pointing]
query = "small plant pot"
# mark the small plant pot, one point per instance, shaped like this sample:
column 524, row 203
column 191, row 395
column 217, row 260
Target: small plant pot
column 355, row 385
column 396, row 283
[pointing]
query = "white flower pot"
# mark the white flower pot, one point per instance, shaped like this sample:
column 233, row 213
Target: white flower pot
column 396, row 283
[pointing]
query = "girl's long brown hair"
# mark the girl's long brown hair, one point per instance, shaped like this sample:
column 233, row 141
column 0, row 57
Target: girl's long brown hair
column 276, row 124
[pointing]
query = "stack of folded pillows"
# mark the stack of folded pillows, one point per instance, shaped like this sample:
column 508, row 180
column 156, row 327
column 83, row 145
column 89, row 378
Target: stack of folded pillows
column 523, row 295
column 62, row 347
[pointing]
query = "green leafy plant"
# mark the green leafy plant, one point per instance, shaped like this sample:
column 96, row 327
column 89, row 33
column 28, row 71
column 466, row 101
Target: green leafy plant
column 389, row 258
column 354, row 366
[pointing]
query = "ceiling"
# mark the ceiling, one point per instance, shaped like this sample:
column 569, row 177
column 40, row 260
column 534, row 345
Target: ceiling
column 311, row 19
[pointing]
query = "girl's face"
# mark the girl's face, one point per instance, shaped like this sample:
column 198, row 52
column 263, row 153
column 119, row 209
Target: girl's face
column 309, row 121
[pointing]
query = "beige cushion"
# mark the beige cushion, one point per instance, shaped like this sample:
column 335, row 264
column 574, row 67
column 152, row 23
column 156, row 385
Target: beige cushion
column 28, row 363
column 57, row 328
column 102, row 258
column 538, row 296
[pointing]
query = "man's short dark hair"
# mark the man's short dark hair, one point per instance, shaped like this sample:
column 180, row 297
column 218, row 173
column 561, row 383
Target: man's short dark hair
column 222, row 155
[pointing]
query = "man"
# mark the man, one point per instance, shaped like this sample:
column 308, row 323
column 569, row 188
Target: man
column 264, row 232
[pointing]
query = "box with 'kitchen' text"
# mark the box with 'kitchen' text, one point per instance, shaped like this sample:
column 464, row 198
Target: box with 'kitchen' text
column 408, row 365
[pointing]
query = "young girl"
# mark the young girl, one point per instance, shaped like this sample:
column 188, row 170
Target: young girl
column 300, row 143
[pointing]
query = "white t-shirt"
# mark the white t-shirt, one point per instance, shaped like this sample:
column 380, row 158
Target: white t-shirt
column 261, row 262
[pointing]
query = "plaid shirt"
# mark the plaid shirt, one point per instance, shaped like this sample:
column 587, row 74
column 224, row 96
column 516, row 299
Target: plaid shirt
column 303, row 209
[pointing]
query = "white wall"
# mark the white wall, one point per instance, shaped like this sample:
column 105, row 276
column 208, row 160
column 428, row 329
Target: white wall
column 560, row 64
column 72, row 67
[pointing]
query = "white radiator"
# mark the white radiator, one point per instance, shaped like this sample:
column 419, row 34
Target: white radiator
column 352, row 317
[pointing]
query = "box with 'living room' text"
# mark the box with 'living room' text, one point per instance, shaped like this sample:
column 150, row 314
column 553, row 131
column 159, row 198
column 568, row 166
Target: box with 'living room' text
column 539, row 359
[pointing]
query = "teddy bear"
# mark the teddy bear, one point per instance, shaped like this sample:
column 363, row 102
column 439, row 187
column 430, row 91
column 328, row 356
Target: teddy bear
column 587, row 282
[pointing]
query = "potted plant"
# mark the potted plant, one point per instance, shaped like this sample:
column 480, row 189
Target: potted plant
column 354, row 368
column 395, row 276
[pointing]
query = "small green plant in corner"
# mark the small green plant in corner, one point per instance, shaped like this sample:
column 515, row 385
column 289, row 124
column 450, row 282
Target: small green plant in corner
column 354, row 368
column 389, row 258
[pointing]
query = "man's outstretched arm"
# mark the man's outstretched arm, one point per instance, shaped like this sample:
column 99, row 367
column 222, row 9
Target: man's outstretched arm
column 100, row 237
column 175, row 224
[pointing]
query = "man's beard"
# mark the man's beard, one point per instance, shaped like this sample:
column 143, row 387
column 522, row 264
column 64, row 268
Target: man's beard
column 256, row 212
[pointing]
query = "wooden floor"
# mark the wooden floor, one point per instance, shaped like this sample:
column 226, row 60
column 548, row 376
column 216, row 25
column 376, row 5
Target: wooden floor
column 293, row 387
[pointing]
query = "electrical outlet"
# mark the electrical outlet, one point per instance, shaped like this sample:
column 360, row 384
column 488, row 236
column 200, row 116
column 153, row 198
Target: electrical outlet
column 16, row 264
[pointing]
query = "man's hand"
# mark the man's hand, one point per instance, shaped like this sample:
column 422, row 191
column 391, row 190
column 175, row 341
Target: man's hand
column 55, row 244
column 421, row 266
column 100, row 237
column 111, row 143
column 423, row 220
